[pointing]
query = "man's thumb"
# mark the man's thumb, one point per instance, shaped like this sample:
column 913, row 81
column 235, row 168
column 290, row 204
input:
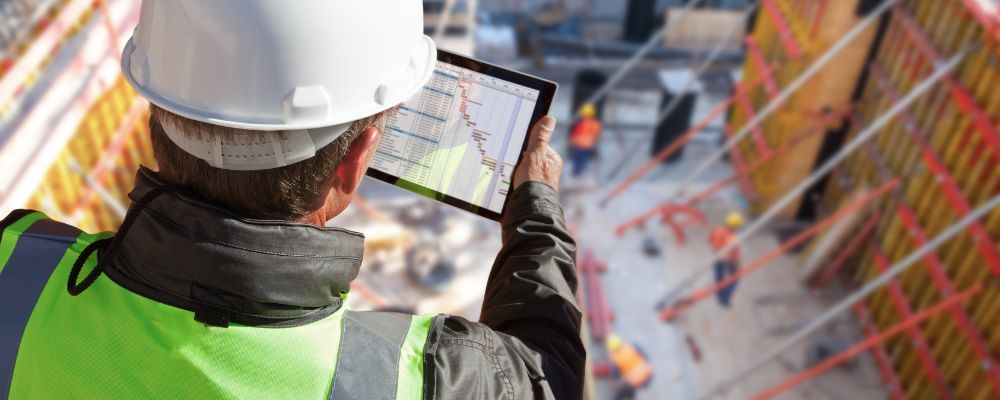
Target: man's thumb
column 542, row 133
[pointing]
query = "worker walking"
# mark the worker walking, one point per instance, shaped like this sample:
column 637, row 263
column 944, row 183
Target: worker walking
column 584, row 135
column 223, row 281
column 631, row 367
column 727, row 264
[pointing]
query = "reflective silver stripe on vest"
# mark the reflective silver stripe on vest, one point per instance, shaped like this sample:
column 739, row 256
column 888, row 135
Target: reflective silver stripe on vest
column 368, row 362
column 35, row 257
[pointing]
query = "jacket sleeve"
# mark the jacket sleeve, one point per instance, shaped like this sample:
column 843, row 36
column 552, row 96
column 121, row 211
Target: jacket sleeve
column 530, row 294
column 527, row 343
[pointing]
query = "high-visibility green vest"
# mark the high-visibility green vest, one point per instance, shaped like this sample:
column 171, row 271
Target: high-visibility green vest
column 111, row 343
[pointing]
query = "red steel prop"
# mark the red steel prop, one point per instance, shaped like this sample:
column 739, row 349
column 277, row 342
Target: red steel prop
column 881, row 356
column 596, row 306
column 668, row 213
column 902, row 305
column 869, row 343
column 671, row 312
column 852, row 248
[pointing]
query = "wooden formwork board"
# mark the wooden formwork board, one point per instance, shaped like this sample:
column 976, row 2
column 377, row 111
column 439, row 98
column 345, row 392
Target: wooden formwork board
column 792, row 35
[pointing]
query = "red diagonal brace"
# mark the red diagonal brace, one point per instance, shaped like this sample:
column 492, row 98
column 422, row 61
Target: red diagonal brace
column 905, row 312
column 881, row 356
column 598, row 314
column 784, row 31
column 669, row 214
column 852, row 247
column 757, row 132
column 740, row 164
column 757, row 57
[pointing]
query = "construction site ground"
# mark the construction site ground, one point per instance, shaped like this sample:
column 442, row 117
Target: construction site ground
column 767, row 306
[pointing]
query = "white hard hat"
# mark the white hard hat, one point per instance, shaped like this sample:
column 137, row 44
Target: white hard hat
column 307, row 67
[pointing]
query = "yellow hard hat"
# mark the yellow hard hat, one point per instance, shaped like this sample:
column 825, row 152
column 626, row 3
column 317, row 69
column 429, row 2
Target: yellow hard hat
column 734, row 220
column 588, row 110
column 613, row 342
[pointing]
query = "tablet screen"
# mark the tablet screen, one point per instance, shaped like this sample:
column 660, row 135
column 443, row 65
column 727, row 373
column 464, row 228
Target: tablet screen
column 461, row 136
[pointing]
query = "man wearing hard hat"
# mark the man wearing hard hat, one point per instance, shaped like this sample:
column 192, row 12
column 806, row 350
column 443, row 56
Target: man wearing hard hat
column 223, row 281
column 583, row 138
column 728, row 264
column 631, row 366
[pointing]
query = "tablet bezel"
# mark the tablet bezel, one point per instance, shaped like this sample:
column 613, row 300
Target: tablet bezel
column 546, row 94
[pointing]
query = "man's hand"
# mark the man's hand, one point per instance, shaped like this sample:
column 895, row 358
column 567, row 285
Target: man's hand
column 541, row 163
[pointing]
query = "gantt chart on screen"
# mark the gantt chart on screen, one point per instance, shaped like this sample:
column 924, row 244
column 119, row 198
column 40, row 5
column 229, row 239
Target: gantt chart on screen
column 460, row 136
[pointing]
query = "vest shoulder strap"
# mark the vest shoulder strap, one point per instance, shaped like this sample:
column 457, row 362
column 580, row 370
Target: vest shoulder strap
column 381, row 356
column 31, row 247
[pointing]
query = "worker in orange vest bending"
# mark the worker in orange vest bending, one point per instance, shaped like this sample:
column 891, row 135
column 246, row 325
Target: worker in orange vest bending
column 727, row 264
column 631, row 365
column 583, row 138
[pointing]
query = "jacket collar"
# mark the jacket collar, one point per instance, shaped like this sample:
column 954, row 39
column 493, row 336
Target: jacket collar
column 200, row 257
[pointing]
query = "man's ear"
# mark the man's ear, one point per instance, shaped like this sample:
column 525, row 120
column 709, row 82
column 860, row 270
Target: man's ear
column 351, row 170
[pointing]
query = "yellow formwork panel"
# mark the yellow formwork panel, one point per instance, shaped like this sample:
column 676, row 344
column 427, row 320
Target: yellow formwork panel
column 957, row 140
column 88, row 183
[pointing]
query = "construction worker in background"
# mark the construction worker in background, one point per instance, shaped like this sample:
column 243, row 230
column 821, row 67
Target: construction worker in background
column 727, row 264
column 631, row 366
column 583, row 138
column 223, row 281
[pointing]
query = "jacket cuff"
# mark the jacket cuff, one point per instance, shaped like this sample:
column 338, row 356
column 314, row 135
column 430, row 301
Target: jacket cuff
column 532, row 199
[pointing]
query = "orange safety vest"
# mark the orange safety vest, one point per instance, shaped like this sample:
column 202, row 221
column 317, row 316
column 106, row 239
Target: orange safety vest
column 585, row 133
column 633, row 366
column 721, row 237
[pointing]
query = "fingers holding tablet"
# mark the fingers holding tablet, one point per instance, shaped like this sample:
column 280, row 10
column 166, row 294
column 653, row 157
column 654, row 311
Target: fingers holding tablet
column 541, row 163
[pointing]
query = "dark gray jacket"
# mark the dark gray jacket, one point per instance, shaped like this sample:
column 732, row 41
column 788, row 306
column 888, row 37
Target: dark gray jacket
column 526, row 345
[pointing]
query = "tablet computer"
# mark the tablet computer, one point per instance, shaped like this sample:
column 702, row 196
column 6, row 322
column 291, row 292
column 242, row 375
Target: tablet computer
column 460, row 138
